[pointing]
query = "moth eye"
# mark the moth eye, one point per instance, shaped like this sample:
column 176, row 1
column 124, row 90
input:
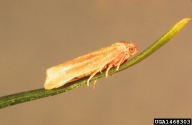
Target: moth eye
column 131, row 50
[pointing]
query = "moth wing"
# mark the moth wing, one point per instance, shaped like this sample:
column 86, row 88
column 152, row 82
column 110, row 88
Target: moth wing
column 61, row 74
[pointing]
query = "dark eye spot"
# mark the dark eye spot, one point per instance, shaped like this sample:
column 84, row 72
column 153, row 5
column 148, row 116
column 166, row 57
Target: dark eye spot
column 131, row 50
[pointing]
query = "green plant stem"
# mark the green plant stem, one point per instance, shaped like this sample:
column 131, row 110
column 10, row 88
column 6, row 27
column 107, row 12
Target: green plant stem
column 17, row 98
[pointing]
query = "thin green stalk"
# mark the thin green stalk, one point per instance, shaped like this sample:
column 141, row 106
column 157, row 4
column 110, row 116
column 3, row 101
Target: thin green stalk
column 14, row 99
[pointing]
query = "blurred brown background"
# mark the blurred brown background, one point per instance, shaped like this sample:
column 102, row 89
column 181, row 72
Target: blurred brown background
column 35, row 35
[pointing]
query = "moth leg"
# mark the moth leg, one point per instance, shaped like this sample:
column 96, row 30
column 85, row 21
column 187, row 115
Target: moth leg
column 94, row 84
column 95, row 72
column 121, row 61
column 109, row 67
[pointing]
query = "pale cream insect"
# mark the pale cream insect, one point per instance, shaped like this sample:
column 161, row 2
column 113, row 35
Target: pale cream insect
column 89, row 64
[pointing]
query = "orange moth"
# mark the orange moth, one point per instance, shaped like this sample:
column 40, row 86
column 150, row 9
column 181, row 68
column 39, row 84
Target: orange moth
column 89, row 64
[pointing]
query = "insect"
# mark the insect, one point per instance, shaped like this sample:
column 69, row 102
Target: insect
column 89, row 64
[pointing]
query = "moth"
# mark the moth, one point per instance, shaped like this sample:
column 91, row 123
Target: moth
column 89, row 64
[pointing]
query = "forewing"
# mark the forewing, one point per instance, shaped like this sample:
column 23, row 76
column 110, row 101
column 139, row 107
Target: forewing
column 63, row 73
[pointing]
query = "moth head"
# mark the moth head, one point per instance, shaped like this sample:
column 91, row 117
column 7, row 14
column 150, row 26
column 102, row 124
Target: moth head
column 132, row 49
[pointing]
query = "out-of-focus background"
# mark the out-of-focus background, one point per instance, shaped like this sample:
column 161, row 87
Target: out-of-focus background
column 35, row 35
